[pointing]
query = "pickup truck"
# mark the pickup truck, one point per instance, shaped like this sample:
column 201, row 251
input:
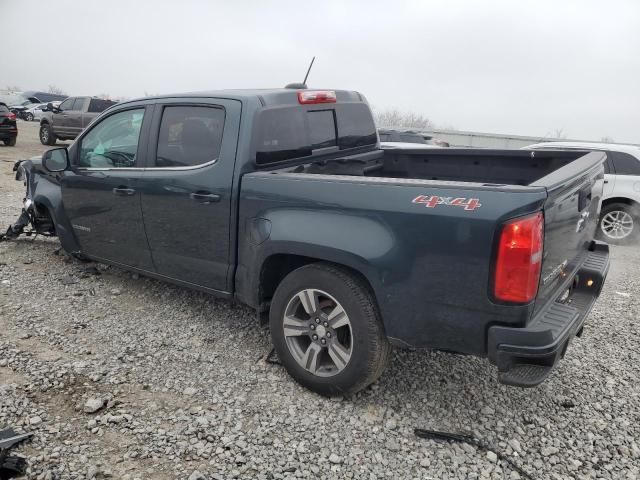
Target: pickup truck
column 282, row 200
column 67, row 120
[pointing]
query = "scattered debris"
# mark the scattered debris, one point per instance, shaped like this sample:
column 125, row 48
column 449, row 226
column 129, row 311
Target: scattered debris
column 623, row 294
column 11, row 466
column 493, row 455
column 272, row 357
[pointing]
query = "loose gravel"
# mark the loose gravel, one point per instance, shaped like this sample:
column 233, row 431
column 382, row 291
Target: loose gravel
column 125, row 377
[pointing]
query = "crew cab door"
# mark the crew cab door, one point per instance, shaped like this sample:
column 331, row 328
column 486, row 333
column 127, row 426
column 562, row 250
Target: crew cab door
column 186, row 190
column 72, row 120
column 59, row 117
column 100, row 191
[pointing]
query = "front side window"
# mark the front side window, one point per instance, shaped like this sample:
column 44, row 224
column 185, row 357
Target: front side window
column 67, row 104
column 78, row 104
column 112, row 143
column 189, row 136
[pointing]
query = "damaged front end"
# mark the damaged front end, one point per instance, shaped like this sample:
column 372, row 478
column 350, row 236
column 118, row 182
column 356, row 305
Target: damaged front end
column 32, row 221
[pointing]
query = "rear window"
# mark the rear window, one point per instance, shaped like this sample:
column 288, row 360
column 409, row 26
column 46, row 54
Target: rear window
column 284, row 133
column 624, row 164
column 97, row 105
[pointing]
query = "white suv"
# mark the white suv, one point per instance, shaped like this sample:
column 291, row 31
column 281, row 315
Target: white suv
column 620, row 215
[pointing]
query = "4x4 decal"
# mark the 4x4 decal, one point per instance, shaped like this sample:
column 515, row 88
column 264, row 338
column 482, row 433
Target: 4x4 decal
column 432, row 201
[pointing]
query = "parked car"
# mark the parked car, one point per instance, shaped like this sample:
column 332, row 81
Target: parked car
column 66, row 120
column 8, row 126
column 19, row 109
column 619, row 221
column 283, row 200
column 35, row 112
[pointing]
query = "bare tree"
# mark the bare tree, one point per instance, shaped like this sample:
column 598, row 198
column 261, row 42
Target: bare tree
column 56, row 90
column 13, row 88
column 559, row 133
column 607, row 139
column 393, row 117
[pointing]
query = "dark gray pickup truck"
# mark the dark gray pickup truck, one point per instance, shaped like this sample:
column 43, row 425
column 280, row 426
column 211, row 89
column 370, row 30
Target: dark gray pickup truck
column 66, row 121
column 283, row 200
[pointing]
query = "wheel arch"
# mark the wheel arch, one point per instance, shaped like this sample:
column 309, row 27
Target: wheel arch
column 623, row 200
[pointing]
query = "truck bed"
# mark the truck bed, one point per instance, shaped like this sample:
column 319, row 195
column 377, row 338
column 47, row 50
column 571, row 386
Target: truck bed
column 493, row 167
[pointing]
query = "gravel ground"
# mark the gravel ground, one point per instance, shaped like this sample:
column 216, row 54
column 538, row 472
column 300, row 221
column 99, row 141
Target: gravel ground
column 126, row 377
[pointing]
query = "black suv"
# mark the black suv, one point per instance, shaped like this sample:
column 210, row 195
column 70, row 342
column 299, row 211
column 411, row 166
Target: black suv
column 8, row 126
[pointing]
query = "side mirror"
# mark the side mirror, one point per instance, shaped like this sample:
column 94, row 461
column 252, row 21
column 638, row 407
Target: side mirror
column 48, row 107
column 56, row 159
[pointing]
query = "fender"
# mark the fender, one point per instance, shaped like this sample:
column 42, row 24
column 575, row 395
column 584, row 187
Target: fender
column 320, row 235
column 45, row 191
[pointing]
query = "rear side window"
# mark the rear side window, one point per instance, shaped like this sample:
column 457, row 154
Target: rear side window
column 189, row 136
column 624, row 164
column 78, row 105
column 284, row 133
column 97, row 105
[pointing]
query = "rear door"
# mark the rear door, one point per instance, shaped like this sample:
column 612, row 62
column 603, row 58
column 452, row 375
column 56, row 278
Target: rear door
column 186, row 190
column 571, row 216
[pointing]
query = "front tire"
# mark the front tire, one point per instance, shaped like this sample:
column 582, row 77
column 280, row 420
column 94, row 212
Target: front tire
column 11, row 142
column 326, row 329
column 29, row 117
column 619, row 224
column 47, row 137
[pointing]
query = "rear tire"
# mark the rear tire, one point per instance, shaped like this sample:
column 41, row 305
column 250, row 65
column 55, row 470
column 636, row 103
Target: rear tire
column 11, row 142
column 355, row 348
column 29, row 117
column 619, row 224
column 47, row 137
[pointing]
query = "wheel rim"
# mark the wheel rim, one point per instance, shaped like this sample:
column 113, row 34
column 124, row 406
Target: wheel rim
column 617, row 224
column 29, row 117
column 44, row 135
column 318, row 332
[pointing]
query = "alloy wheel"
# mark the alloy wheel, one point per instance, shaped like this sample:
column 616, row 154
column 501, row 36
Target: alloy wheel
column 318, row 332
column 617, row 224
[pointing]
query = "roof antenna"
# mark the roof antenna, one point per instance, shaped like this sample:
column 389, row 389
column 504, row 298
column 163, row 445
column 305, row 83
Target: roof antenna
column 304, row 82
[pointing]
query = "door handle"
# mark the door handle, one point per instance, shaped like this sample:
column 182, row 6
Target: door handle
column 606, row 181
column 123, row 191
column 205, row 197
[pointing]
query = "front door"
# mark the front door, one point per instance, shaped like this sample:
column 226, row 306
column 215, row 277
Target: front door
column 73, row 120
column 101, row 194
column 61, row 116
column 186, row 192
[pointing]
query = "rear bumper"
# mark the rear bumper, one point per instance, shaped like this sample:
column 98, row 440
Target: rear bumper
column 525, row 356
column 8, row 132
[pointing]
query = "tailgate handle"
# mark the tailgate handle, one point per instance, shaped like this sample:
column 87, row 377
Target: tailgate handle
column 584, row 198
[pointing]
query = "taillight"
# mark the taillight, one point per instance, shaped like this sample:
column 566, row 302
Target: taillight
column 519, row 259
column 11, row 116
column 316, row 96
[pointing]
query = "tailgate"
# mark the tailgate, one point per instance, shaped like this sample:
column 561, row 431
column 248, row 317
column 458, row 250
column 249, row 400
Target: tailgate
column 571, row 217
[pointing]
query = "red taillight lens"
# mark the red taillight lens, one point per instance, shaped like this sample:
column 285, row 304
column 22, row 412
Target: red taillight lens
column 519, row 259
column 316, row 96
column 11, row 116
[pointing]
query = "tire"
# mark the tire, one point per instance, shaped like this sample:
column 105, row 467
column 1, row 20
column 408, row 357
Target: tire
column 362, row 341
column 11, row 142
column 47, row 137
column 619, row 224
column 29, row 117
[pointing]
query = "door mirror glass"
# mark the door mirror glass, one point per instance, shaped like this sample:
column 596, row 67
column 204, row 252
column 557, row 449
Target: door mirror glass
column 56, row 159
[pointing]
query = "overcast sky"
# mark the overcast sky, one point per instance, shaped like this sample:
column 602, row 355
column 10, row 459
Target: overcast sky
column 521, row 67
